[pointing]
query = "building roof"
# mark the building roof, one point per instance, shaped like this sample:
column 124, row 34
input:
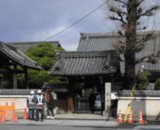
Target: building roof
column 84, row 63
column 139, row 93
column 105, row 41
column 15, row 56
column 56, row 87
column 88, row 59
column 23, row 46
column 19, row 92
column 16, row 91
column 96, row 41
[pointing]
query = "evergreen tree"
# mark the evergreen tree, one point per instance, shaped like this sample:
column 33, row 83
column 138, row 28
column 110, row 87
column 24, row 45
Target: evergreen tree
column 43, row 54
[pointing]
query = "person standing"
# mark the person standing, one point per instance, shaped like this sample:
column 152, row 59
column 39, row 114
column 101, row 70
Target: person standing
column 31, row 105
column 40, row 103
column 91, row 99
column 50, row 104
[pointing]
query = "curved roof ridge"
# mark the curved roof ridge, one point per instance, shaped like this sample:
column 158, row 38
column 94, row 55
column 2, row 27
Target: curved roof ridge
column 17, row 56
column 98, row 34
column 94, row 34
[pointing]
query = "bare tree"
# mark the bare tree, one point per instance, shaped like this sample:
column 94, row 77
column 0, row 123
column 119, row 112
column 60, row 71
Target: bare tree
column 130, row 14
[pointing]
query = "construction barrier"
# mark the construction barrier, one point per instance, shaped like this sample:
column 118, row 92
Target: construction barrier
column 119, row 117
column 2, row 117
column 141, row 118
column 14, row 119
column 8, row 112
column 130, row 118
column 4, row 111
column 25, row 114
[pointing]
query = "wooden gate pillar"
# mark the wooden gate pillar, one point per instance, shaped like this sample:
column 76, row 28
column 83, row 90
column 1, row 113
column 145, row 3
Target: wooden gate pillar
column 70, row 97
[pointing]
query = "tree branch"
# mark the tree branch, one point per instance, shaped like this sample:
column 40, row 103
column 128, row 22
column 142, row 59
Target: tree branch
column 148, row 12
column 116, row 10
column 140, row 1
column 119, row 13
column 115, row 18
column 152, row 58
column 147, row 37
column 141, row 43
column 120, row 33
column 119, row 49
column 121, row 2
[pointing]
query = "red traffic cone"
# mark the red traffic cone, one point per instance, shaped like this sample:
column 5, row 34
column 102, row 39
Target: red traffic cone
column 130, row 118
column 141, row 118
column 25, row 114
column 119, row 117
column 2, row 118
column 14, row 116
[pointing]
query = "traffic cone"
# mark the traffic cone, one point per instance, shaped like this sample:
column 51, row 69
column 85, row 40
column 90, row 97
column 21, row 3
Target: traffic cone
column 14, row 116
column 141, row 118
column 25, row 114
column 119, row 117
column 130, row 118
column 2, row 119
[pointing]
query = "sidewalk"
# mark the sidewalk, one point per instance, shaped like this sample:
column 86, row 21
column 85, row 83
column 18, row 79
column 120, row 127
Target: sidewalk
column 85, row 120
column 79, row 119
column 82, row 116
column 56, row 122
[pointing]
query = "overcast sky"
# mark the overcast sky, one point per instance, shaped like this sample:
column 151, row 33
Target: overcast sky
column 36, row 20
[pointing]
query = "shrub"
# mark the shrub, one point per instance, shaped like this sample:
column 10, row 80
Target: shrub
column 157, row 84
column 144, row 81
column 5, row 84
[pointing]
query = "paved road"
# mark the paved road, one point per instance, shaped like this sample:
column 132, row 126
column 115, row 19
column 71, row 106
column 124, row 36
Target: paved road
column 78, row 124
column 39, row 127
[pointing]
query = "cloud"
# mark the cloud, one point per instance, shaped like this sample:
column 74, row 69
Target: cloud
column 36, row 20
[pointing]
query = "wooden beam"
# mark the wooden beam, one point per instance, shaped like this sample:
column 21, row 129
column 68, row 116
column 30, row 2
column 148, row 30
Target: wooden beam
column 26, row 77
column 1, row 79
column 70, row 99
column 15, row 77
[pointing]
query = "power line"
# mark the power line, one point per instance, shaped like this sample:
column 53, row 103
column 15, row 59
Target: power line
column 75, row 22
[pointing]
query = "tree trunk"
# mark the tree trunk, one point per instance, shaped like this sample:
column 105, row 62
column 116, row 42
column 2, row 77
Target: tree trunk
column 130, row 34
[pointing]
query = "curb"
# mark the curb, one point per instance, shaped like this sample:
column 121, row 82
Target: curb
column 75, row 123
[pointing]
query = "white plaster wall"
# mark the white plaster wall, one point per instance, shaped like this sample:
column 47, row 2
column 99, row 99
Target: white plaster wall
column 150, row 107
column 19, row 101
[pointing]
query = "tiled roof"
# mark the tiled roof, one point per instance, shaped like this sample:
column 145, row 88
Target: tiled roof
column 16, row 91
column 139, row 93
column 15, row 56
column 84, row 63
column 23, row 46
column 105, row 41
column 96, row 42
column 59, row 87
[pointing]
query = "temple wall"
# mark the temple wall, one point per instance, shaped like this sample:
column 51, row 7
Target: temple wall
column 149, row 106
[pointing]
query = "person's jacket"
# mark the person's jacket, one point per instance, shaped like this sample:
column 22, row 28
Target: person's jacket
column 40, row 101
column 47, row 96
column 31, row 102
column 51, row 101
